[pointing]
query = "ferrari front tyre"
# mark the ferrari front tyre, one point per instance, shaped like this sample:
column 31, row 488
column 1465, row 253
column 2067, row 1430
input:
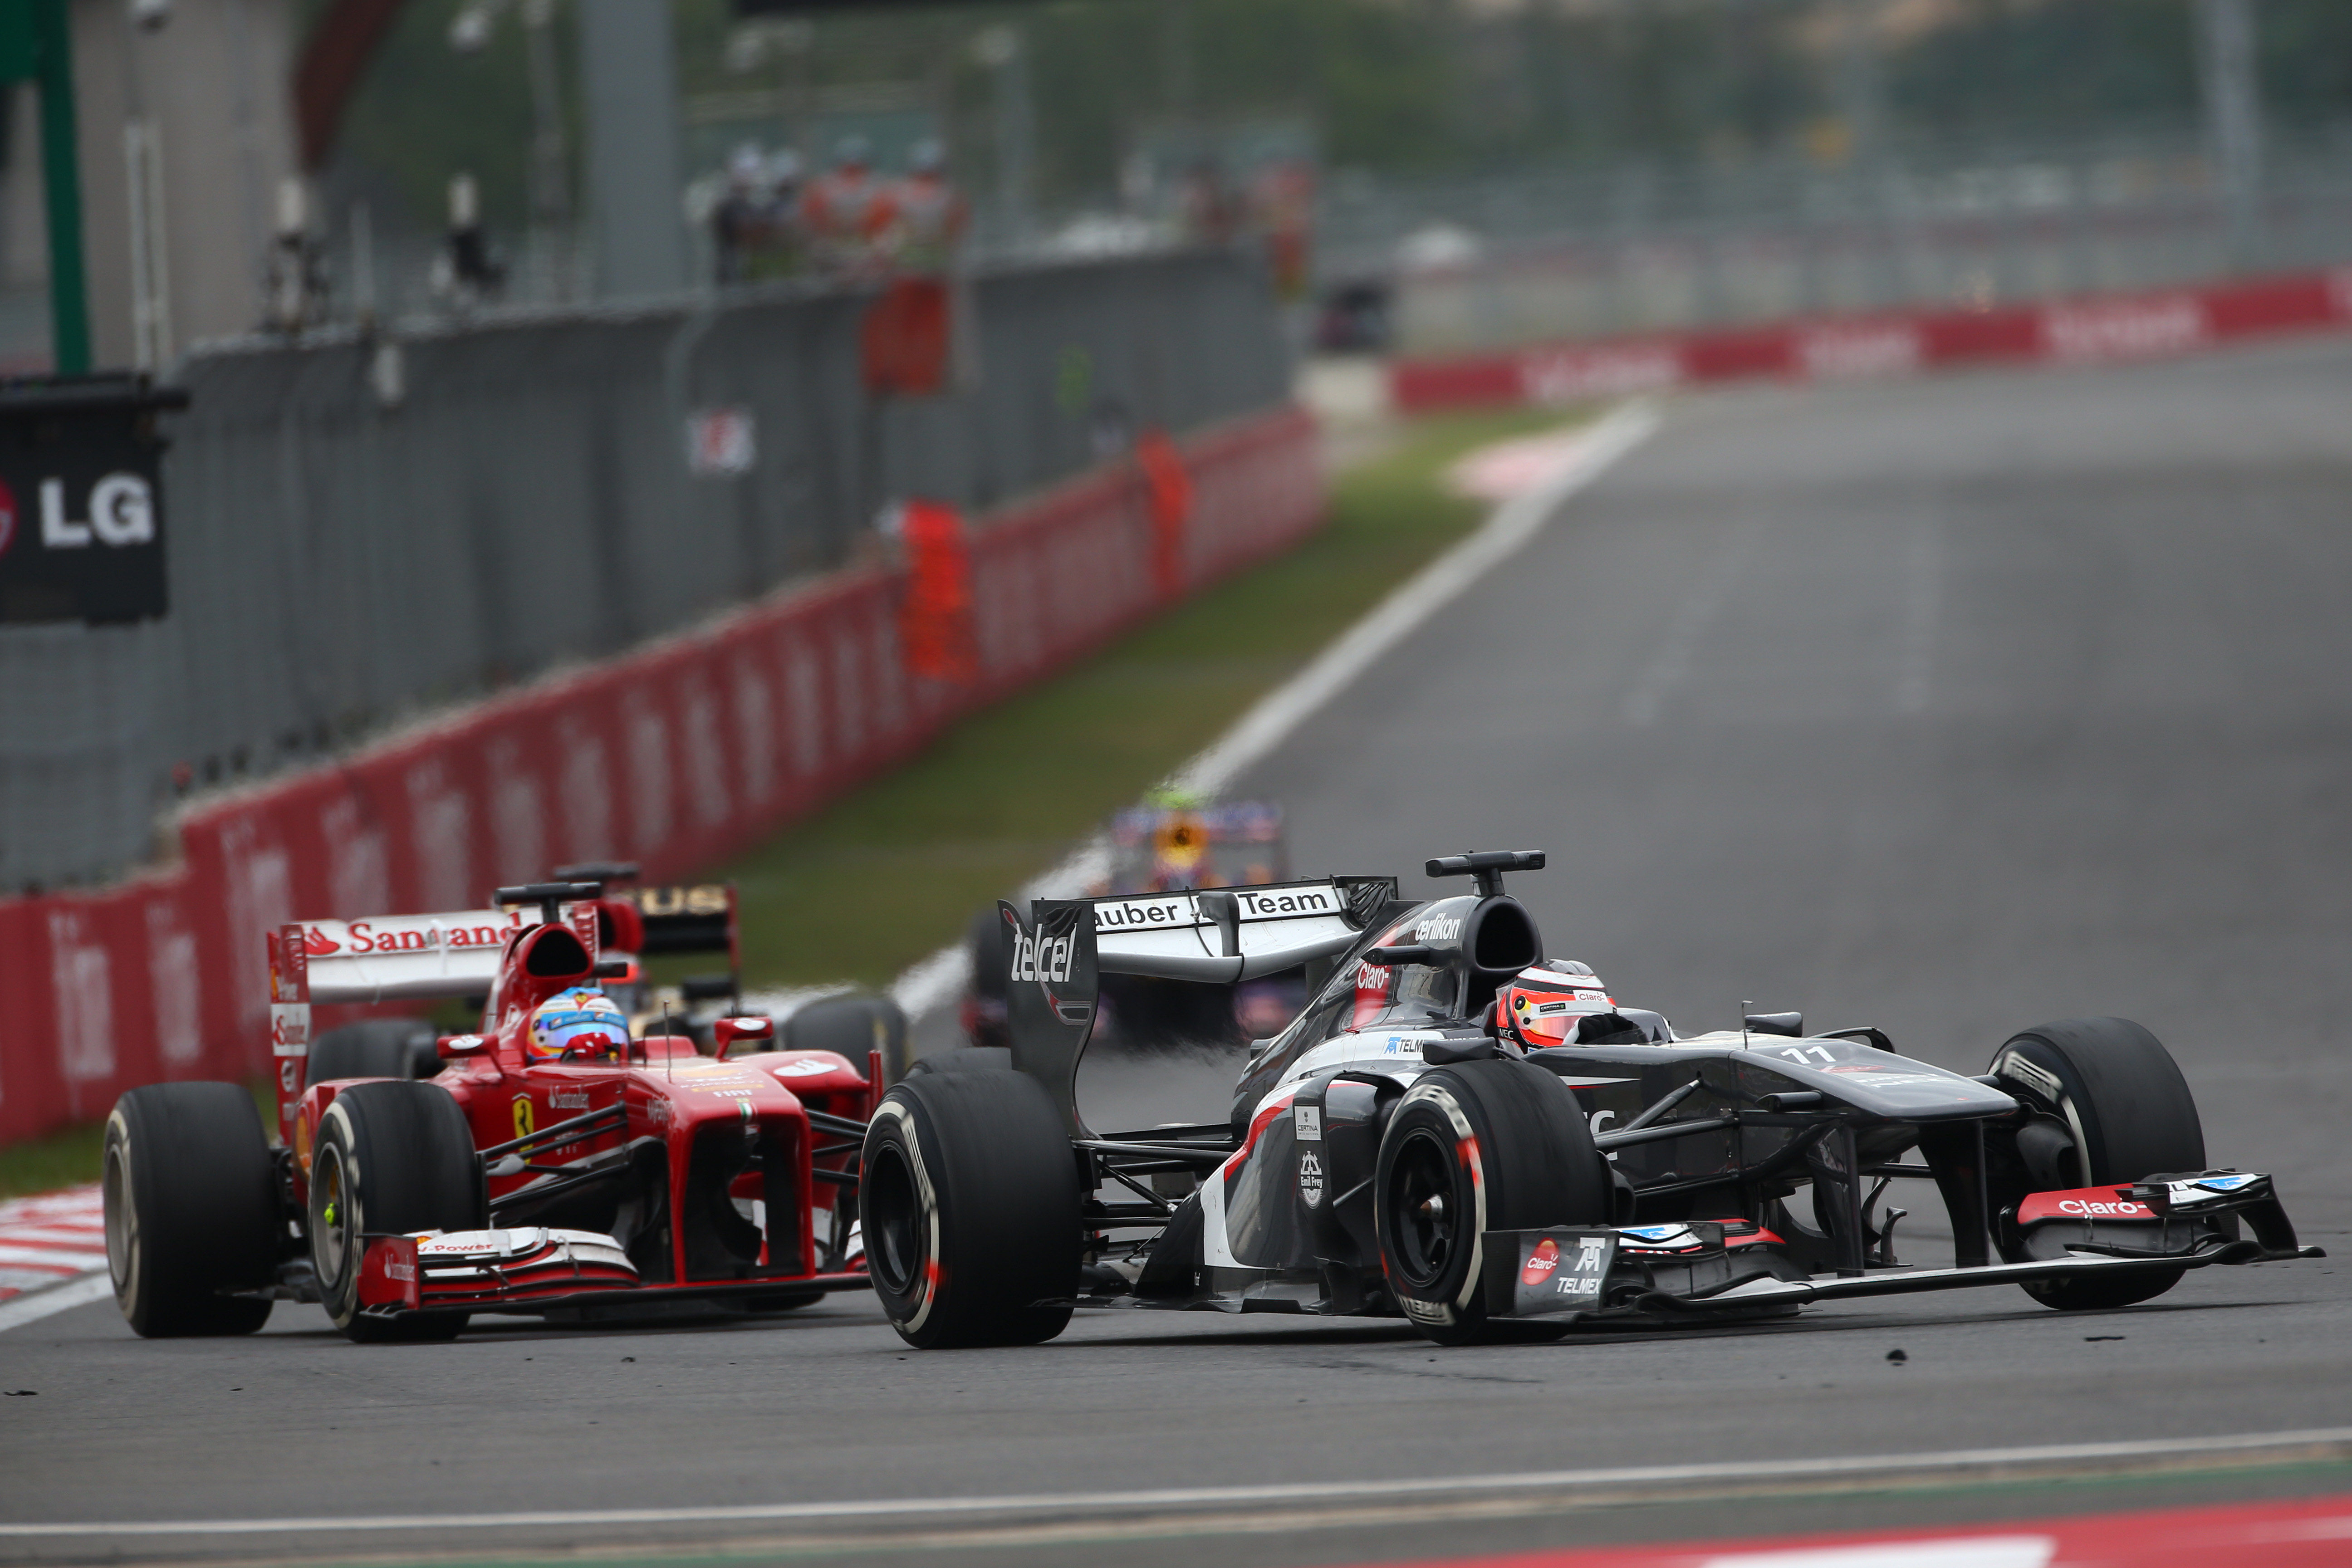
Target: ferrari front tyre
column 391, row 1158
column 1477, row 1146
column 2128, row 1113
column 971, row 1205
column 190, row 1196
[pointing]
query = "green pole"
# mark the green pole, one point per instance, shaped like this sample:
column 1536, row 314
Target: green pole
column 61, row 184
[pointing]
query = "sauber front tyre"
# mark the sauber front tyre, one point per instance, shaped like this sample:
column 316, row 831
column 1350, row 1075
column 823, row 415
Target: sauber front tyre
column 191, row 1210
column 391, row 1158
column 971, row 1207
column 1477, row 1146
column 2111, row 1106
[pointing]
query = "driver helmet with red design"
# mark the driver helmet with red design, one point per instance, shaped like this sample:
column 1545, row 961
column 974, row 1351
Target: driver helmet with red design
column 582, row 1022
column 1543, row 1006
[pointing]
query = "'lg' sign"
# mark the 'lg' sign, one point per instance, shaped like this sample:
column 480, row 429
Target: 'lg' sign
column 122, row 512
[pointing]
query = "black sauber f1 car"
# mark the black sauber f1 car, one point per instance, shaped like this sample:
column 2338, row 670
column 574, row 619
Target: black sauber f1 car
column 1459, row 1131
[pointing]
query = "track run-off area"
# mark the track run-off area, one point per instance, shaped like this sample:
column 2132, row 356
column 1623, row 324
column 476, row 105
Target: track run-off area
column 1948, row 705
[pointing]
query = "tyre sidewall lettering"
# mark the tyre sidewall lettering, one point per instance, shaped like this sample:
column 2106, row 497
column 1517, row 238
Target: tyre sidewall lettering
column 929, row 1274
column 1466, row 1145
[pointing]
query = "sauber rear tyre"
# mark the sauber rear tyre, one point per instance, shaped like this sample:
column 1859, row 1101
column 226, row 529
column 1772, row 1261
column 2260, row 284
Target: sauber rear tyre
column 2125, row 1112
column 971, row 1204
column 1472, row 1147
column 191, row 1200
column 391, row 1158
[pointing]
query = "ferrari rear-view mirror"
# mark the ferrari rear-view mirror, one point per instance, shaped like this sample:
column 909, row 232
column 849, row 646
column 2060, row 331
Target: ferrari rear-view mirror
column 452, row 1047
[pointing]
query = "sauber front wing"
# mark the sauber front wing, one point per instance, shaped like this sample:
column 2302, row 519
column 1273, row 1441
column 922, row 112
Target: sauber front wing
column 2162, row 1224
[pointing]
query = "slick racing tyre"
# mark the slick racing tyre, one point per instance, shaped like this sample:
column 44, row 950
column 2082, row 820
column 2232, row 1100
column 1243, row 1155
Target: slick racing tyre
column 2114, row 1107
column 391, row 1158
column 374, row 1047
column 191, row 1196
column 853, row 1025
column 1477, row 1146
column 968, row 1058
column 971, row 1204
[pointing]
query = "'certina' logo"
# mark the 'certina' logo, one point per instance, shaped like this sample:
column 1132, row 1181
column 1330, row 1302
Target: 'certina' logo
column 1035, row 958
column 1442, row 928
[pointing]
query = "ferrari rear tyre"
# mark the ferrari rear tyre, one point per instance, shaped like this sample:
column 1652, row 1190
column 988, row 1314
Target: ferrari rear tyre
column 964, row 1059
column 853, row 1025
column 391, row 1158
column 1477, row 1146
column 971, row 1205
column 2128, row 1113
column 191, row 1196
column 374, row 1047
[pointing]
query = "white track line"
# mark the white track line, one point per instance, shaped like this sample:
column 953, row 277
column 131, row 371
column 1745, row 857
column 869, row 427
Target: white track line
column 1859, row 1467
column 940, row 978
column 32, row 1307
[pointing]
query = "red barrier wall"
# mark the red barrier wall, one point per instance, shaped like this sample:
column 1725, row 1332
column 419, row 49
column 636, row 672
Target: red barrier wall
column 674, row 756
column 2091, row 328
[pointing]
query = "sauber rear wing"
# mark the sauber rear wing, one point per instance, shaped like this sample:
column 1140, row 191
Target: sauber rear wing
column 1064, row 945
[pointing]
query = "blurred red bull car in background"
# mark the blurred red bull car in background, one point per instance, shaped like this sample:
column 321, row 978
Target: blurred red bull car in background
column 1170, row 844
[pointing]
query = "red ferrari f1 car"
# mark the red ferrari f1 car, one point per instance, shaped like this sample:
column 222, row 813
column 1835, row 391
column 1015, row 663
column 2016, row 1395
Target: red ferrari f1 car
column 554, row 1164
column 1462, row 1132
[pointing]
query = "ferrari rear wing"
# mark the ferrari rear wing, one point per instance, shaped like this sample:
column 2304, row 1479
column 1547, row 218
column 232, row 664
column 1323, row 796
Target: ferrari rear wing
column 386, row 958
column 1064, row 946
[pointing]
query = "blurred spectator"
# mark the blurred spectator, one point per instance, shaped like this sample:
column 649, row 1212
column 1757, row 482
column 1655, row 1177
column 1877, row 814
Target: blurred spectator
column 844, row 210
column 468, row 270
column 1283, row 205
column 297, row 264
column 784, row 252
column 924, row 216
column 1207, row 209
column 738, row 223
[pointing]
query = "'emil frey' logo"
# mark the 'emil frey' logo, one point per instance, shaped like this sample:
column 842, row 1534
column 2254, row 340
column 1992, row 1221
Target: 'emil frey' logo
column 1035, row 958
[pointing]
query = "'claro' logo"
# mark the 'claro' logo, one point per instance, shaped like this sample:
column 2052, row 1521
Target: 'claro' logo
column 2092, row 1208
column 1037, row 958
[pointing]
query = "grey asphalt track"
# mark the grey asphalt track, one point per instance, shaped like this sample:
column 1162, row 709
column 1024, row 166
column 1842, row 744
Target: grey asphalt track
column 1949, row 706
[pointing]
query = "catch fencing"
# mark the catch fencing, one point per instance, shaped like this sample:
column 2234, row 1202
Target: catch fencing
column 361, row 529
column 1934, row 225
column 673, row 755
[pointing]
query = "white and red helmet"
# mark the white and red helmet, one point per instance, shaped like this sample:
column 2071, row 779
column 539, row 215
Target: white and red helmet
column 1544, row 1005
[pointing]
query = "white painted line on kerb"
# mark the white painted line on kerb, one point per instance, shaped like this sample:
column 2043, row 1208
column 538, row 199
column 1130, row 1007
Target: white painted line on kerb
column 2240, row 1445
column 35, row 1305
column 940, row 978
